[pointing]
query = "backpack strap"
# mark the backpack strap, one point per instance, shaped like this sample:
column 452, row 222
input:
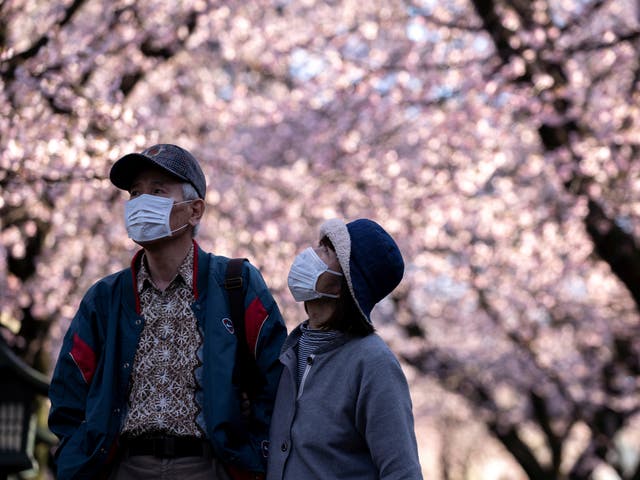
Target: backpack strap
column 246, row 373
column 233, row 283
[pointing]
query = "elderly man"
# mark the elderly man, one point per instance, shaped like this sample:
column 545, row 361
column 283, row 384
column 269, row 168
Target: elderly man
column 146, row 384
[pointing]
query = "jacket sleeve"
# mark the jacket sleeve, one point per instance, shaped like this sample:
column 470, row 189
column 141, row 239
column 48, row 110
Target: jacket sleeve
column 384, row 417
column 70, row 384
column 265, row 332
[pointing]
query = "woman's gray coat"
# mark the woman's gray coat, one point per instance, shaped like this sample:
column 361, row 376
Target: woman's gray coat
column 350, row 418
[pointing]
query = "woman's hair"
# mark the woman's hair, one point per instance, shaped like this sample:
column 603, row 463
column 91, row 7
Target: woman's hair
column 348, row 318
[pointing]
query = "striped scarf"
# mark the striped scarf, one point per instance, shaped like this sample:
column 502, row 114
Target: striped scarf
column 310, row 341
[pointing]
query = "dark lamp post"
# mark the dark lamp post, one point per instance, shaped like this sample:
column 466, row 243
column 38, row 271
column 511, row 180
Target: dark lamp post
column 19, row 386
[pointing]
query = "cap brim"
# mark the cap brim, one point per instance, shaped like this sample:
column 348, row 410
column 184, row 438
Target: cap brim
column 125, row 170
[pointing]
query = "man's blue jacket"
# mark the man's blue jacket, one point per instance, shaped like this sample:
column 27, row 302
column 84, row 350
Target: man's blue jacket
column 90, row 384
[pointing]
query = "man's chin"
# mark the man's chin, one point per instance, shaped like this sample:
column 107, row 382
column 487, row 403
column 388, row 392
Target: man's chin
column 151, row 243
column 162, row 241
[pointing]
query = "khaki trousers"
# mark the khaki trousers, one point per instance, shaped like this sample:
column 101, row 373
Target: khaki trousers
column 142, row 467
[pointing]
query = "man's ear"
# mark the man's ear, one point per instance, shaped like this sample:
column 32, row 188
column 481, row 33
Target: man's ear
column 197, row 211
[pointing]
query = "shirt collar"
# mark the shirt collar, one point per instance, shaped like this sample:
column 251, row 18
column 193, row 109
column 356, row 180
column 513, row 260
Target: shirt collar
column 185, row 272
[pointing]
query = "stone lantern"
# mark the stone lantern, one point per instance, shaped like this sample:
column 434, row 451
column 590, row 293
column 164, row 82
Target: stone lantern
column 19, row 386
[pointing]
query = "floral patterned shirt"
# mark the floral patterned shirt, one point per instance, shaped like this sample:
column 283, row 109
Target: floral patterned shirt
column 162, row 398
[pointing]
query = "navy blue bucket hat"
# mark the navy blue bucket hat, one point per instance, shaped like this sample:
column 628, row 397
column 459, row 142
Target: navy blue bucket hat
column 370, row 259
column 170, row 158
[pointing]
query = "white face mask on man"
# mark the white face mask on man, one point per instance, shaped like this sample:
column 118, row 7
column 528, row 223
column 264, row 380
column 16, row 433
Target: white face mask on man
column 147, row 217
column 303, row 276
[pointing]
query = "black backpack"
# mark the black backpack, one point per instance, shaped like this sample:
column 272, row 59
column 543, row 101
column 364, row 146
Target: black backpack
column 246, row 374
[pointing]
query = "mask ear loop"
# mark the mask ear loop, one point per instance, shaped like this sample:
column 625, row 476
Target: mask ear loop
column 186, row 224
column 179, row 228
column 328, row 295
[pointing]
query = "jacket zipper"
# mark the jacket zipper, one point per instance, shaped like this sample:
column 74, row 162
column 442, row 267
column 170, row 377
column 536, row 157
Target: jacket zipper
column 304, row 375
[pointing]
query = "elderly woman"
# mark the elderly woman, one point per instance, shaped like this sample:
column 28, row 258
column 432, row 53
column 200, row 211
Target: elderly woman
column 343, row 408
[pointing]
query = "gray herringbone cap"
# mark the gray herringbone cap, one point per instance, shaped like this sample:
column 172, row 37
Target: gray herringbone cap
column 173, row 159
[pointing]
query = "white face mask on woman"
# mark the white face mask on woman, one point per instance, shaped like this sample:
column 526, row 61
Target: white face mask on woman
column 147, row 217
column 303, row 276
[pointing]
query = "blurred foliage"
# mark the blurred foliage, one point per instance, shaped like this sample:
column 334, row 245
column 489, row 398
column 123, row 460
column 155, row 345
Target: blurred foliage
column 496, row 140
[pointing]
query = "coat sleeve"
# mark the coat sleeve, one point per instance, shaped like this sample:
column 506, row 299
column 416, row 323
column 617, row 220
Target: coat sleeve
column 385, row 419
column 265, row 334
column 70, row 384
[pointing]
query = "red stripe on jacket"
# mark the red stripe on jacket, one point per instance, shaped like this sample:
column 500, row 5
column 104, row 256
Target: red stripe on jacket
column 84, row 357
column 254, row 318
